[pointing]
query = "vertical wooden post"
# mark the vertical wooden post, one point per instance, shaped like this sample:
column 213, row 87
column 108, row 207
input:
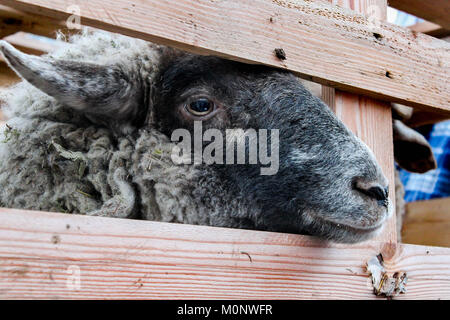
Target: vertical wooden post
column 7, row 78
column 369, row 119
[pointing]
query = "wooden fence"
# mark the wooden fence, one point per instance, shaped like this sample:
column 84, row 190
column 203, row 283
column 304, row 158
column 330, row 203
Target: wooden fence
column 363, row 63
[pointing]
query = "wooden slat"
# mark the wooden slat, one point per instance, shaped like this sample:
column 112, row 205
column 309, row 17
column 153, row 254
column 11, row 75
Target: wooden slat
column 430, row 28
column 39, row 252
column 368, row 119
column 12, row 21
column 427, row 223
column 323, row 43
column 28, row 44
column 437, row 11
column 421, row 118
column 7, row 76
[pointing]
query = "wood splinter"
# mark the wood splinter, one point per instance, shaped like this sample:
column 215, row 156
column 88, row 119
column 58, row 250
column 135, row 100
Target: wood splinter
column 384, row 284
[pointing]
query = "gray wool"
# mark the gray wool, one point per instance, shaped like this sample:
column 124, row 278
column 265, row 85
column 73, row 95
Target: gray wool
column 53, row 159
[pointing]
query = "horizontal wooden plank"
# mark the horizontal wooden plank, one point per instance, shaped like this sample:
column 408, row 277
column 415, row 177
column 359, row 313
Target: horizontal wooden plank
column 421, row 118
column 42, row 254
column 428, row 210
column 7, row 77
column 323, row 43
column 431, row 29
column 32, row 45
column 12, row 21
column 427, row 222
column 437, row 11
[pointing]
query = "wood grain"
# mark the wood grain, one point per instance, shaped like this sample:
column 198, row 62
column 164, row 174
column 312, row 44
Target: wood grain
column 323, row 43
column 369, row 119
column 131, row 259
column 427, row 223
column 437, row 11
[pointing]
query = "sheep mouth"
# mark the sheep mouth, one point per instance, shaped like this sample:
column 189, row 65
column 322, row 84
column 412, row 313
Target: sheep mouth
column 352, row 229
column 358, row 229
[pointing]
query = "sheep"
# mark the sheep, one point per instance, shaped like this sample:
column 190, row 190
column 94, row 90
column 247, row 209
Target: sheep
column 412, row 152
column 90, row 132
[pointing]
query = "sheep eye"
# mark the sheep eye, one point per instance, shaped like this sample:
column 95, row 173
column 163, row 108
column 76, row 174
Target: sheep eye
column 200, row 107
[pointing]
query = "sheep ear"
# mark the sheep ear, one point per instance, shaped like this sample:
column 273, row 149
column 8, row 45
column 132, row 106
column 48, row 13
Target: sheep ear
column 98, row 91
column 411, row 150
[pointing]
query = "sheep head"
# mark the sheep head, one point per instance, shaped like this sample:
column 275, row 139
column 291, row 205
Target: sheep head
column 327, row 182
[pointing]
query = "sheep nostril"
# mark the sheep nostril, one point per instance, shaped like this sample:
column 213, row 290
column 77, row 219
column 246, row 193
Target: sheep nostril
column 377, row 193
column 374, row 191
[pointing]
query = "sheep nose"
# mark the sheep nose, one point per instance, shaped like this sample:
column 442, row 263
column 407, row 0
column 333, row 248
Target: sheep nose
column 375, row 191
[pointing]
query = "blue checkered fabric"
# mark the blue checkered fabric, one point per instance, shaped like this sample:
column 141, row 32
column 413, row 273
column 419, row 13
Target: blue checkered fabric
column 435, row 183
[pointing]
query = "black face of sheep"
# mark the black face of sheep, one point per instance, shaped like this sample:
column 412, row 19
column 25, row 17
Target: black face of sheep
column 327, row 182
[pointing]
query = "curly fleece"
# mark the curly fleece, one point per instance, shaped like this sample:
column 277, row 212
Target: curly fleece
column 54, row 159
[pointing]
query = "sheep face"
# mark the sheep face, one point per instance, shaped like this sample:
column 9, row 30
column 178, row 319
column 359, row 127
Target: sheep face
column 327, row 182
